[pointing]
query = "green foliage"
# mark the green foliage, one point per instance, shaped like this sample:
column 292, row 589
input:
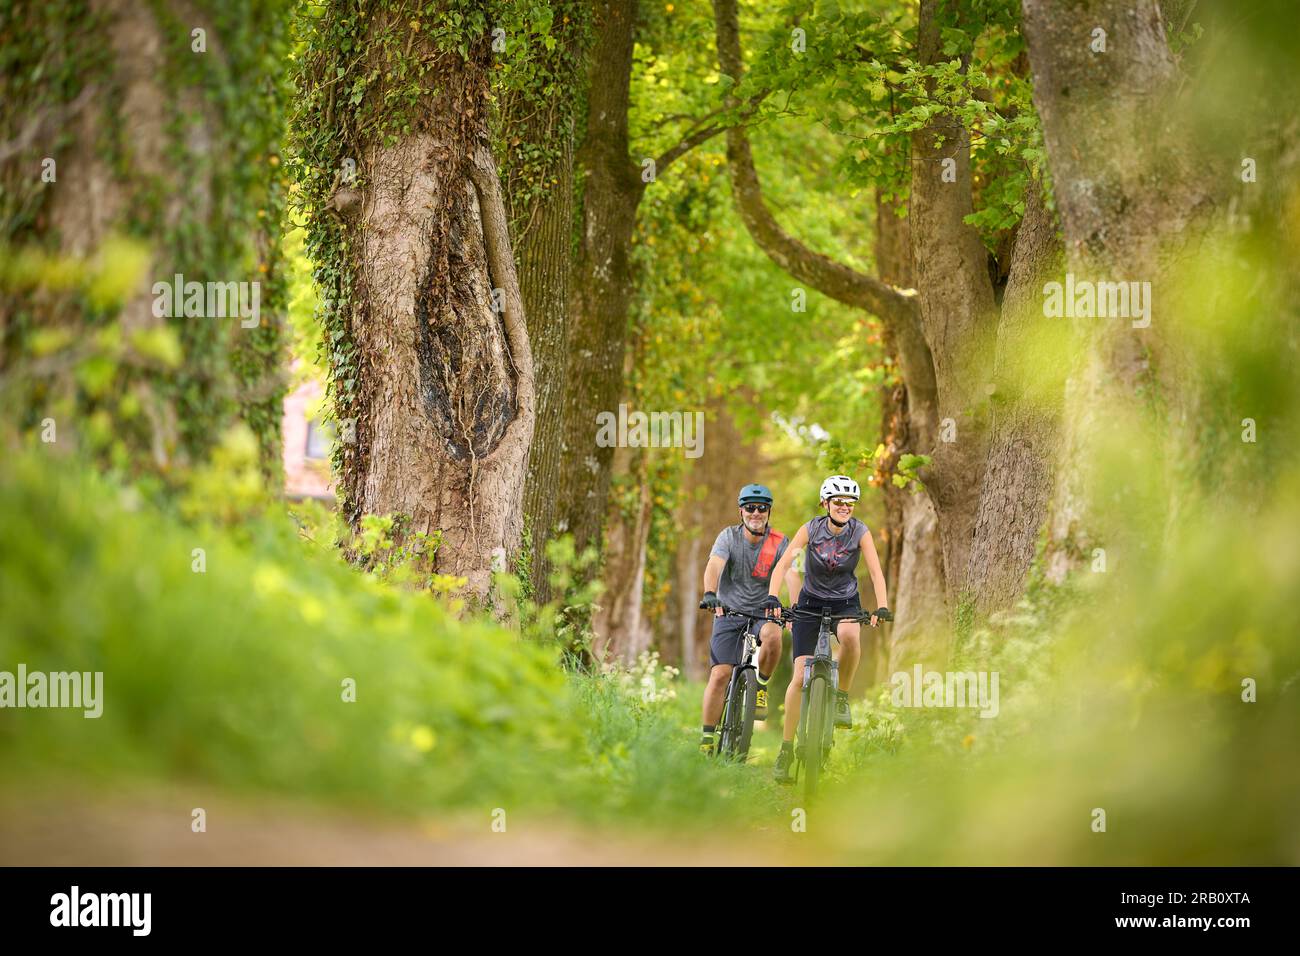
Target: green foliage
column 859, row 76
column 538, row 87
column 715, row 321
column 407, row 563
column 565, row 621
column 231, row 668
column 906, row 474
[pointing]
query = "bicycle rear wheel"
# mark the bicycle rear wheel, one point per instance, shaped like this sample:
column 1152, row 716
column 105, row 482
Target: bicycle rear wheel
column 813, row 748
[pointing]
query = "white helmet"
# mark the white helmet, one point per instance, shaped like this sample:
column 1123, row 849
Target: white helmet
column 840, row 486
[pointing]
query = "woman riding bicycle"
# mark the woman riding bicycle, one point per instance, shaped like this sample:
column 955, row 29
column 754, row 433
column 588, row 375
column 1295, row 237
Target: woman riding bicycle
column 832, row 543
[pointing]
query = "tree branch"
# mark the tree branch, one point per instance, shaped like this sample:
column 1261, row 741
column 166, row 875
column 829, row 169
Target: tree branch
column 687, row 143
column 831, row 278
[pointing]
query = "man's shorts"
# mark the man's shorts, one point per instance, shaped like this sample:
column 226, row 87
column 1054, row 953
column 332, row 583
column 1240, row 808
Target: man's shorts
column 803, row 630
column 727, row 643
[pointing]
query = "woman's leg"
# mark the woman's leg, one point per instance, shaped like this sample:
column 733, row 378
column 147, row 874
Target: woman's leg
column 850, row 635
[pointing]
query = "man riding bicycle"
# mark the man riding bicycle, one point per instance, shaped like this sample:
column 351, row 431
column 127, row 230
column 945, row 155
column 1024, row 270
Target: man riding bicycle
column 739, row 575
column 833, row 543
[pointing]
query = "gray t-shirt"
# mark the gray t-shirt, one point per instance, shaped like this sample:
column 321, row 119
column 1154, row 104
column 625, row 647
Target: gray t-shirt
column 831, row 560
column 738, row 588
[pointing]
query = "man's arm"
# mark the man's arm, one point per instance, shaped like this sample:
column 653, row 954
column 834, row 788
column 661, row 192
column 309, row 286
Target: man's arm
column 712, row 575
column 713, row 572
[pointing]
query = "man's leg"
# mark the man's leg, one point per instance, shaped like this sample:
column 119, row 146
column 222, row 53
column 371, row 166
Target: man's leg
column 724, row 650
column 769, row 655
column 714, row 692
column 793, row 698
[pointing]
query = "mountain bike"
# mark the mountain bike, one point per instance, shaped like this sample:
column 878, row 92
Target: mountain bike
column 736, row 728
column 821, row 676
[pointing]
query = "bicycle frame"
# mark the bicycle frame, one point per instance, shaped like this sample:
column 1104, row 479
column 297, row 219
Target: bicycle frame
column 752, row 643
column 820, row 667
column 731, row 725
column 811, row 756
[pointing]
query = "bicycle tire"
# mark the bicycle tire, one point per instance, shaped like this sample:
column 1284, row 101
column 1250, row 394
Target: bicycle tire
column 727, row 730
column 749, row 698
column 813, row 741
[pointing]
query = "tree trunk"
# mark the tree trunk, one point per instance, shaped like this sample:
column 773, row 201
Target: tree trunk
column 621, row 629
column 539, row 198
column 144, row 147
column 445, row 407
column 602, row 285
column 1123, row 190
column 894, row 263
column 912, row 559
column 958, row 315
column 601, row 288
column 1023, row 444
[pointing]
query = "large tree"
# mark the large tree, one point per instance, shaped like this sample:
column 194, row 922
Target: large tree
column 1134, row 202
column 943, row 330
column 432, row 367
column 138, row 142
column 613, row 182
column 538, row 113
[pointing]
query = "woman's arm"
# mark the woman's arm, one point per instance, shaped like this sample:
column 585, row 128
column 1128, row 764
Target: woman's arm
column 793, row 585
column 783, row 566
column 868, row 546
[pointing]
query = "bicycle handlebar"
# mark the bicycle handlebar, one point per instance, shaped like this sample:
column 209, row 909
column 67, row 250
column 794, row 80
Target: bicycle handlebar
column 862, row 617
column 736, row 612
column 794, row 610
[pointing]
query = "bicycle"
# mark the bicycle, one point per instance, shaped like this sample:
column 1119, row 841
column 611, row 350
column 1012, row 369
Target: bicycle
column 736, row 728
column 821, row 672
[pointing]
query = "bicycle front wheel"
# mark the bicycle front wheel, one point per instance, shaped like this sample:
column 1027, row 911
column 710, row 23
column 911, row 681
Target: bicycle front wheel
column 749, row 701
column 817, row 724
column 729, row 729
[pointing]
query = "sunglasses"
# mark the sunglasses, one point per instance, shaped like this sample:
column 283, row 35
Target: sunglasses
column 843, row 502
column 755, row 509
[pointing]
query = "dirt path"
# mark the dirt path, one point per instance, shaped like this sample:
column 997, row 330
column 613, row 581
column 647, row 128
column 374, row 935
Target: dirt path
column 154, row 829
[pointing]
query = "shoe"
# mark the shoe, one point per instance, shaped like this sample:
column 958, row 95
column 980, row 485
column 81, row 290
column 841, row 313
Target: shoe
column 708, row 745
column 843, row 716
column 781, row 772
column 760, row 704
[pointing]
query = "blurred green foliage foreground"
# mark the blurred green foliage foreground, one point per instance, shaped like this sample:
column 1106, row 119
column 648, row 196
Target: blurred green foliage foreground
column 1127, row 699
column 236, row 674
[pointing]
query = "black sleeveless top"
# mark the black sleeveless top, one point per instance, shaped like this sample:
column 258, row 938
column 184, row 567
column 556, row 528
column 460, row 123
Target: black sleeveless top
column 831, row 560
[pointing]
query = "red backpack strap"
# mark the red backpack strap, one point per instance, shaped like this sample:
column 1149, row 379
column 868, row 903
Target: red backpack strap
column 767, row 554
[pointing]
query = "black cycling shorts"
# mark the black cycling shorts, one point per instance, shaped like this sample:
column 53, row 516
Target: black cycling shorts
column 728, row 640
column 803, row 629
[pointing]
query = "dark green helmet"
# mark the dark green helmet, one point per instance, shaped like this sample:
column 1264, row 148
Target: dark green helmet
column 754, row 494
